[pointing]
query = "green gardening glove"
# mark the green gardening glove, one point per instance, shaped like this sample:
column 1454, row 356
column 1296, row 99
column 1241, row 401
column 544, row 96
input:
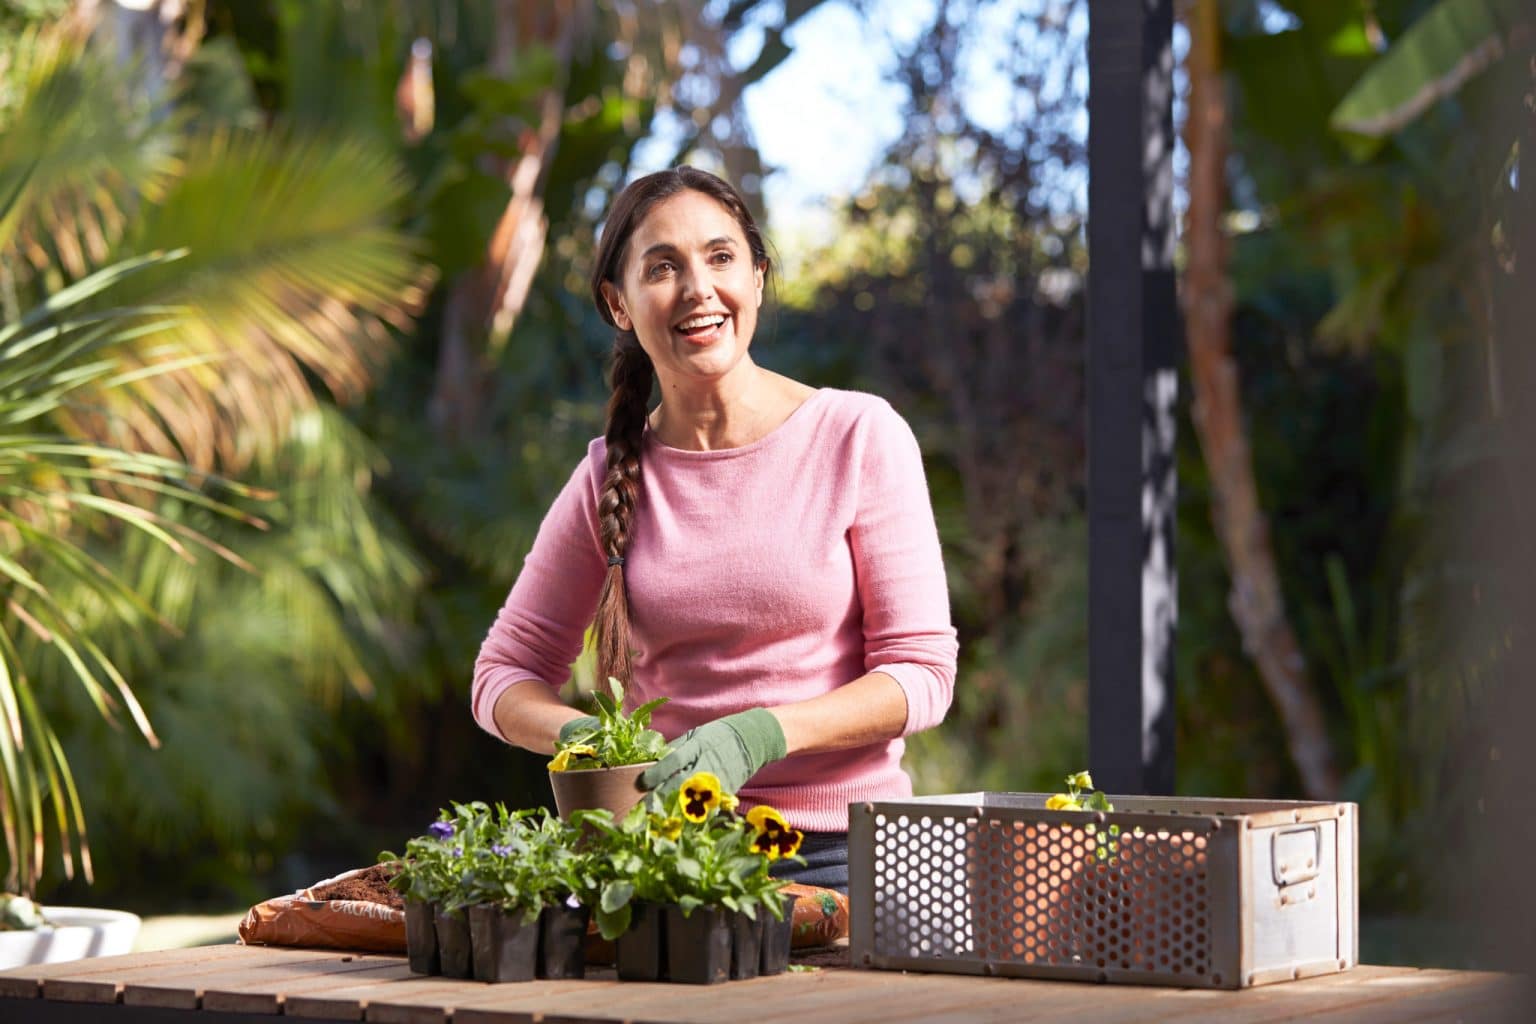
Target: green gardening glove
column 577, row 726
column 732, row 749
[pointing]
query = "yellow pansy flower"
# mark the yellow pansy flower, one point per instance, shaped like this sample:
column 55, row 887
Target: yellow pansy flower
column 699, row 796
column 774, row 837
column 728, row 801
column 671, row 828
column 762, row 816
column 1062, row 802
column 1082, row 780
column 563, row 758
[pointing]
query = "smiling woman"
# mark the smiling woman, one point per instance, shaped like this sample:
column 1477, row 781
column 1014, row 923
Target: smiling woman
column 774, row 572
column 691, row 294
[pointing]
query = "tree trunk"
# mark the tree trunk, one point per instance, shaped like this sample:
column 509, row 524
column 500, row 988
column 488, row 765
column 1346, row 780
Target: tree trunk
column 1255, row 601
column 483, row 303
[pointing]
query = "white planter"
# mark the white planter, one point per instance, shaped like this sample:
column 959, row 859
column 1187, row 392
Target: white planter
column 76, row 933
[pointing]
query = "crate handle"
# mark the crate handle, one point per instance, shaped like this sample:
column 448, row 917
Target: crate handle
column 1295, row 854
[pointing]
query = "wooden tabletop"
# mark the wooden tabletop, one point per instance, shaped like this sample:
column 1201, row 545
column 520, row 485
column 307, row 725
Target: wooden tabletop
column 251, row 983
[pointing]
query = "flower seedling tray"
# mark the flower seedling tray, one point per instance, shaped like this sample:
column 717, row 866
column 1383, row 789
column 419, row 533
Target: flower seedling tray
column 1187, row 891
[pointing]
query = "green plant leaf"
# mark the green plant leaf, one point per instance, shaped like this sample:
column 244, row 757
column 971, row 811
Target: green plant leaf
column 612, row 924
column 1450, row 44
column 642, row 714
column 605, row 706
column 616, row 894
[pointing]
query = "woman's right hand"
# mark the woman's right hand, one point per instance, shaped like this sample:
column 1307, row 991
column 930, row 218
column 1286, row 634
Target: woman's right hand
column 577, row 726
column 732, row 749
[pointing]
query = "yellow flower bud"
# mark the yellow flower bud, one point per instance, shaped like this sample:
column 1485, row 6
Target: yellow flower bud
column 1082, row 780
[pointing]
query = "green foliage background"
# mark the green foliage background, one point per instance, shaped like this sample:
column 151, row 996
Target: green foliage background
column 315, row 710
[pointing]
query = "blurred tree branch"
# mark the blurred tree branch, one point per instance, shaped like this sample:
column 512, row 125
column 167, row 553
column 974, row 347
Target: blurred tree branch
column 484, row 301
column 1255, row 600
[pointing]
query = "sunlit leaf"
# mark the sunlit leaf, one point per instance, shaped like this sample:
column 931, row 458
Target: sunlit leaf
column 1451, row 43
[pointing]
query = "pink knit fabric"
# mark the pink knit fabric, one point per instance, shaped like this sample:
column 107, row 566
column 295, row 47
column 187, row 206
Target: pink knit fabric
column 757, row 576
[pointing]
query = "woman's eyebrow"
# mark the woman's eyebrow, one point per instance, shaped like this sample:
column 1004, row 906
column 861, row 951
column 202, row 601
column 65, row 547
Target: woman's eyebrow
column 668, row 247
column 659, row 247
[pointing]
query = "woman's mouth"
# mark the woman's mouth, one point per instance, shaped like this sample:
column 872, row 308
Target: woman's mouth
column 702, row 328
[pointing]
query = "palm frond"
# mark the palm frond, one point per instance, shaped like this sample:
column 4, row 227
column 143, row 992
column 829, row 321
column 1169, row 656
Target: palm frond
column 57, row 492
column 293, row 269
column 96, row 147
column 263, row 662
column 334, row 573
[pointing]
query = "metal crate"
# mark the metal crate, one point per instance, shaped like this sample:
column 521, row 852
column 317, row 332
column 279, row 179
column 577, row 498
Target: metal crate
column 1195, row 892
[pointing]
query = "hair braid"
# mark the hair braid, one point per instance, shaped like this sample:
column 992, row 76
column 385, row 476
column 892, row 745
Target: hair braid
column 631, row 379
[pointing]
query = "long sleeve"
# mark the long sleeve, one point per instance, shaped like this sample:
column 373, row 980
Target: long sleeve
column 539, row 631
column 899, row 567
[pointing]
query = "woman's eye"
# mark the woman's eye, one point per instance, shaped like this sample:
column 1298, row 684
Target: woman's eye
column 658, row 269
column 722, row 257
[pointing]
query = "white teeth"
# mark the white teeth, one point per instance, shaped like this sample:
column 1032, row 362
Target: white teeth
column 701, row 321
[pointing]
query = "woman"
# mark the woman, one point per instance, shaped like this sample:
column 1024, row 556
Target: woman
column 760, row 552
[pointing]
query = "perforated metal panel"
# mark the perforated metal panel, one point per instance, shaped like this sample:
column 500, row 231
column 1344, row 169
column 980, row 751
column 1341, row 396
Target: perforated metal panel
column 1003, row 886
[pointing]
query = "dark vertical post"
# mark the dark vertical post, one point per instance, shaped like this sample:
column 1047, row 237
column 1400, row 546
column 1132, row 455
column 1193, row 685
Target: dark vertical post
column 1132, row 387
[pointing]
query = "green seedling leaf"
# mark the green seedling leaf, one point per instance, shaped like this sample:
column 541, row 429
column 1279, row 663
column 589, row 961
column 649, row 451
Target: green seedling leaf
column 617, row 894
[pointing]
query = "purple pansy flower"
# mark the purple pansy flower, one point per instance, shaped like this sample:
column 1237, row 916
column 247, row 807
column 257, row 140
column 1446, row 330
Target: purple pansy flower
column 441, row 829
column 458, row 851
column 501, row 850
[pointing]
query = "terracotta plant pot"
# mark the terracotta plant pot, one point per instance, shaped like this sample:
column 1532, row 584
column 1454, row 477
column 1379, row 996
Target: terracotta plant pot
column 421, row 937
column 698, row 946
column 778, row 936
column 505, row 945
column 563, row 941
column 640, row 954
column 616, row 789
column 453, row 945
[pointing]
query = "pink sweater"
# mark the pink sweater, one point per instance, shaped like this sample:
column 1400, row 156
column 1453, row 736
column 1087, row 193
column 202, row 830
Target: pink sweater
column 757, row 576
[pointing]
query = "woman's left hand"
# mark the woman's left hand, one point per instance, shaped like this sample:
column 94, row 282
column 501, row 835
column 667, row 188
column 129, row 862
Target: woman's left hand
column 732, row 749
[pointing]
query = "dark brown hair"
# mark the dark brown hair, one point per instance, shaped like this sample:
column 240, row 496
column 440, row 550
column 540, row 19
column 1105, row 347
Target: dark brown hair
column 631, row 378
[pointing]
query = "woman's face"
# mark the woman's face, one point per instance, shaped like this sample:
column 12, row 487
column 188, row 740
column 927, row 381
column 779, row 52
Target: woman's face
column 689, row 289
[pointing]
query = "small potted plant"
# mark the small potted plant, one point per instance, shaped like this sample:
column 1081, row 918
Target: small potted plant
column 598, row 767
column 1120, row 860
column 626, row 878
column 773, row 838
column 689, row 891
column 1085, row 875
column 429, row 878
column 525, row 918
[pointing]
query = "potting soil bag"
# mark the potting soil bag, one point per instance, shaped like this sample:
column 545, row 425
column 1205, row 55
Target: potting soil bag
column 362, row 920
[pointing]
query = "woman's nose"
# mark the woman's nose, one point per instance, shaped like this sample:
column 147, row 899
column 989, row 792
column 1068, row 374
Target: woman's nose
column 697, row 283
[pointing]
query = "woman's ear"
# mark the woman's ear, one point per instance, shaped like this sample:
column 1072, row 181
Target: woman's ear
column 760, row 272
column 615, row 300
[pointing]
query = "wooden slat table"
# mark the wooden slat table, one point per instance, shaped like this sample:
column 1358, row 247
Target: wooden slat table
column 237, row 984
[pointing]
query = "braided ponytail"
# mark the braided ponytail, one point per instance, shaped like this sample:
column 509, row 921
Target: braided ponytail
column 631, row 379
column 632, row 373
